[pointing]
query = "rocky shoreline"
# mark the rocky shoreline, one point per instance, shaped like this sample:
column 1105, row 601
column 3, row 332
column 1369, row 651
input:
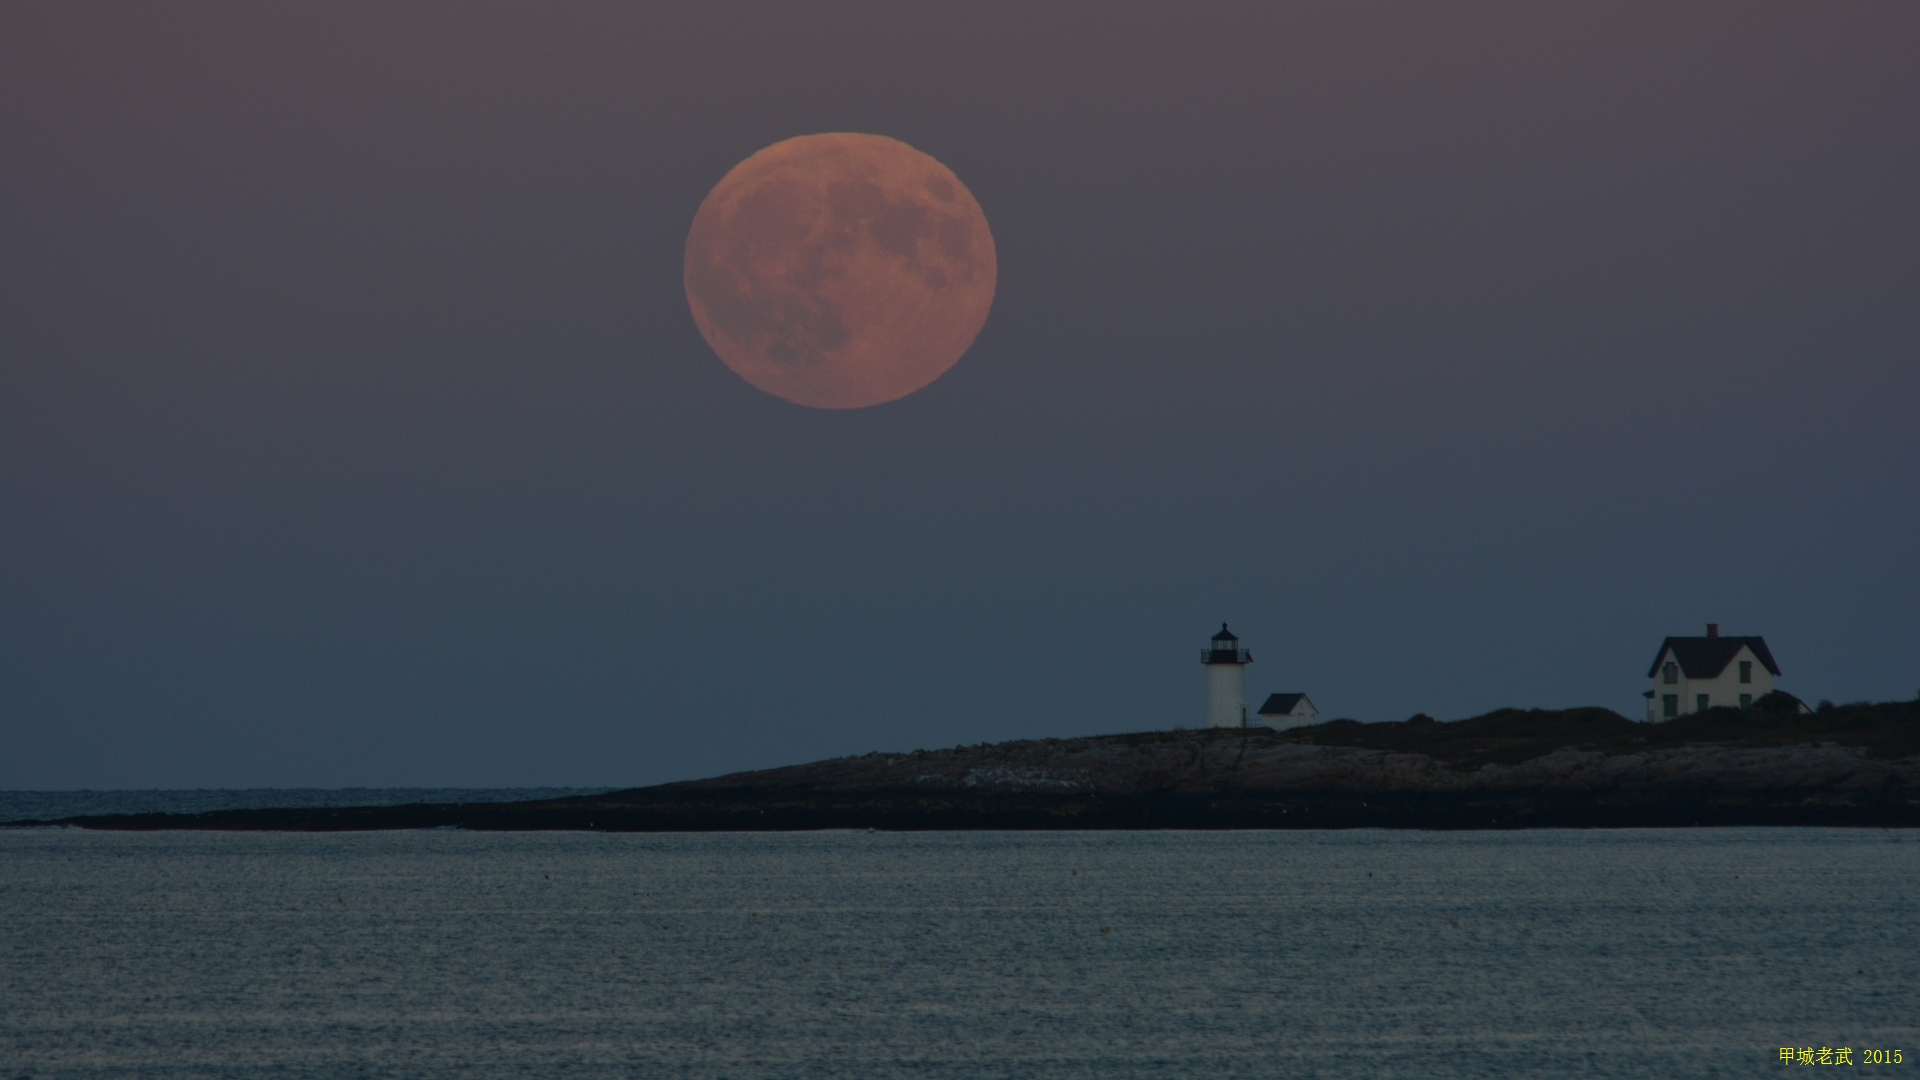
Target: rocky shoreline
column 1855, row 765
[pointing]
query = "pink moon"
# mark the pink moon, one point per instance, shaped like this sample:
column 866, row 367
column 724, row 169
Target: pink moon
column 840, row 271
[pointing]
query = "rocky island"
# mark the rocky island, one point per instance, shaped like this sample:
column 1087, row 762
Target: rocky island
column 1851, row 765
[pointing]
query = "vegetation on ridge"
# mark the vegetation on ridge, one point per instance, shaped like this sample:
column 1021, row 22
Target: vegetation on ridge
column 1885, row 731
column 1509, row 736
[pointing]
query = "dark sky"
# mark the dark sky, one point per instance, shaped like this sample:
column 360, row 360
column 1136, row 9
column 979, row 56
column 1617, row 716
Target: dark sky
column 354, row 430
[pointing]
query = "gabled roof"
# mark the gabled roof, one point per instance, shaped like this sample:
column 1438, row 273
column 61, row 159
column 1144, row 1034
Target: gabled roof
column 1280, row 704
column 1707, row 657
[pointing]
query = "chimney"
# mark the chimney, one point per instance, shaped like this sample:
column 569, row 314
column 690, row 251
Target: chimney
column 1713, row 629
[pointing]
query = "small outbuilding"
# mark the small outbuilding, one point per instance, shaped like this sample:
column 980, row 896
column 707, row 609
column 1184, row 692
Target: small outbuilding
column 1283, row 711
column 1694, row 674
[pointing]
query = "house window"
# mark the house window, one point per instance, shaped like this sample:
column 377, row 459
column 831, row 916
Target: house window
column 1746, row 701
column 1699, row 703
column 1746, row 671
column 1670, row 674
column 1669, row 705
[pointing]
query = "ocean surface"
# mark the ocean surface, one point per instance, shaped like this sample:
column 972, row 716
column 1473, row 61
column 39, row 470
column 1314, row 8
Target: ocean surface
column 53, row 805
column 1670, row 953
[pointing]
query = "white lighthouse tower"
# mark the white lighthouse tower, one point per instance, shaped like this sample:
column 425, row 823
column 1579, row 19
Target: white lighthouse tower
column 1226, row 680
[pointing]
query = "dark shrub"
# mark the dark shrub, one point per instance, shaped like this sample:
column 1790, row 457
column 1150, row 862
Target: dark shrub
column 1778, row 703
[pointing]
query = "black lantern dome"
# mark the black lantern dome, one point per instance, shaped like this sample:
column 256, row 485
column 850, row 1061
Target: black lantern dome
column 1225, row 649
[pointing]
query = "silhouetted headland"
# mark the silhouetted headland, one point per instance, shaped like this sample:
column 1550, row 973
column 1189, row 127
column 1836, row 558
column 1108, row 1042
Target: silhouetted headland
column 1852, row 765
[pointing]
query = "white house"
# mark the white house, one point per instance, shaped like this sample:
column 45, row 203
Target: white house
column 1694, row 674
column 1283, row 711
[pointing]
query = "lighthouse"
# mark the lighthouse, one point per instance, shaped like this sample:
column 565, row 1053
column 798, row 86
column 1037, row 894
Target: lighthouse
column 1226, row 679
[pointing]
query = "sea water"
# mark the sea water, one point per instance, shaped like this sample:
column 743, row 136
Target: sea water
column 1672, row 953
column 54, row 805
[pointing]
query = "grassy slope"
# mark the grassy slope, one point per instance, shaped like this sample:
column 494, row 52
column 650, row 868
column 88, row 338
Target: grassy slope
column 1509, row 736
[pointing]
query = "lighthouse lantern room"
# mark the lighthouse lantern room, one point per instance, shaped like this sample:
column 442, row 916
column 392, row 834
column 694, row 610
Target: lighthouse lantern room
column 1226, row 665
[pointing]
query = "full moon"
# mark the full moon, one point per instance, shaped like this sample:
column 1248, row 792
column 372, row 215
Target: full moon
column 840, row 271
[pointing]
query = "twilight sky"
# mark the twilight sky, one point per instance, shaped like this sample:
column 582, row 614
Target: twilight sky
column 354, row 429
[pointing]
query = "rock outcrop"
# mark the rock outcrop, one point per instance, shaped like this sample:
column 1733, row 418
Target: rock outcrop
column 1221, row 765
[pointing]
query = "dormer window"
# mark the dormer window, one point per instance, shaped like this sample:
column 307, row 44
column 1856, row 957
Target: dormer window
column 1670, row 673
column 1746, row 671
